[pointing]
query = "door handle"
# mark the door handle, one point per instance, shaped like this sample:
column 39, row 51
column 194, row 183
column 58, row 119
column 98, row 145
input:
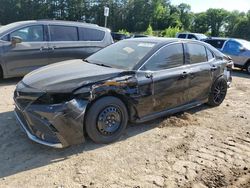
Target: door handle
column 52, row 48
column 214, row 68
column 44, row 48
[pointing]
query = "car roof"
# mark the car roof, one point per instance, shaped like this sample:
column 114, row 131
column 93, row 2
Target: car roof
column 163, row 40
column 6, row 28
column 217, row 38
column 191, row 33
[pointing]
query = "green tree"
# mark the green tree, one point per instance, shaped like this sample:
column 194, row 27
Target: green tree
column 185, row 16
column 200, row 24
column 242, row 29
column 216, row 19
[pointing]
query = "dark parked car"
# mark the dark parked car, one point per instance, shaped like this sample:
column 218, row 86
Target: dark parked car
column 28, row 45
column 119, row 36
column 133, row 80
column 237, row 49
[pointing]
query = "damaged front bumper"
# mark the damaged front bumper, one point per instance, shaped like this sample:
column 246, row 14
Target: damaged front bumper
column 54, row 125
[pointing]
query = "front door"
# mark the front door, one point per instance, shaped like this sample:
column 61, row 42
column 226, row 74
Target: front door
column 28, row 55
column 234, row 50
column 169, row 76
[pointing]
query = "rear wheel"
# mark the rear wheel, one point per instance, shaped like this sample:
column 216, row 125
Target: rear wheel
column 218, row 92
column 1, row 73
column 106, row 120
column 248, row 68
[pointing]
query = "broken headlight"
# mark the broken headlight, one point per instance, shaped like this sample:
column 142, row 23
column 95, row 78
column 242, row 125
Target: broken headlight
column 54, row 98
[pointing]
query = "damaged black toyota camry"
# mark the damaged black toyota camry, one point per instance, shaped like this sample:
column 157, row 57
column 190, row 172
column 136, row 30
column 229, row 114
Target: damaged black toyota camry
column 133, row 80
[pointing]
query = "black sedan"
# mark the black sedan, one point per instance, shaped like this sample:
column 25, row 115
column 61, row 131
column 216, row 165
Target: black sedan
column 133, row 80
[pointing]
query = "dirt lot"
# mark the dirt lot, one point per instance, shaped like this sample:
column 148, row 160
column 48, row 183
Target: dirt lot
column 204, row 147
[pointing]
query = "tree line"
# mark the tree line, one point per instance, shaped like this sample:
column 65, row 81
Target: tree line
column 131, row 15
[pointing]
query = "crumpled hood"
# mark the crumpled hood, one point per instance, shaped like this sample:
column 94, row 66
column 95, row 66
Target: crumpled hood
column 67, row 76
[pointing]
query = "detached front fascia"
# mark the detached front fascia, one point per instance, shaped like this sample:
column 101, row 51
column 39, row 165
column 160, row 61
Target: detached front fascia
column 55, row 125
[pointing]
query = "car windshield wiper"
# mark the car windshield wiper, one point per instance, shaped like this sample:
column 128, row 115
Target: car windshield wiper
column 85, row 60
column 103, row 65
column 99, row 64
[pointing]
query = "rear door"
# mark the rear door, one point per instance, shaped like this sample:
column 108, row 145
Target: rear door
column 64, row 43
column 201, row 71
column 169, row 78
column 29, row 55
column 71, row 42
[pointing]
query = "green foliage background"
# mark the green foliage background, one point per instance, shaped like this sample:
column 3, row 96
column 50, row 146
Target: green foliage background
column 152, row 17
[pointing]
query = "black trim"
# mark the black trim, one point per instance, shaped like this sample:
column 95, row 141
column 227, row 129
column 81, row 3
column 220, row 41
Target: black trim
column 171, row 111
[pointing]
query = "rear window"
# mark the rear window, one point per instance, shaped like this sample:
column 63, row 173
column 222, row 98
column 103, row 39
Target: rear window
column 216, row 43
column 63, row 33
column 87, row 34
column 182, row 36
column 210, row 55
column 197, row 53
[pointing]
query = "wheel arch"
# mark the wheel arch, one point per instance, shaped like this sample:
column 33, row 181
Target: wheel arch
column 247, row 63
column 132, row 112
column 1, row 72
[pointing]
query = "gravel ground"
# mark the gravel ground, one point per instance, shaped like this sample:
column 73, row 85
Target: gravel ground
column 203, row 147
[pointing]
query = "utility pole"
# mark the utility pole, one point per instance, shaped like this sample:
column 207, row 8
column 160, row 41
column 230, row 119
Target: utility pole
column 106, row 14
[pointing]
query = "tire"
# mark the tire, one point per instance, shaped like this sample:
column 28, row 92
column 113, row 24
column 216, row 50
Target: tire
column 1, row 73
column 106, row 120
column 218, row 92
column 248, row 68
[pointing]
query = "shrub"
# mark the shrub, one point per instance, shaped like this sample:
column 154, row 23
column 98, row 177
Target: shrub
column 149, row 31
column 124, row 31
column 170, row 32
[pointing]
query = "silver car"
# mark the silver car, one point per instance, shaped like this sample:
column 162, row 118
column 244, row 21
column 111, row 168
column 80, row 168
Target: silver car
column 28, row 45
column 237, row 49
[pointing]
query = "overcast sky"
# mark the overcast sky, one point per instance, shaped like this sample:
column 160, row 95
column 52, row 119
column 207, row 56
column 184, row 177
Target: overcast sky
column 203, row 5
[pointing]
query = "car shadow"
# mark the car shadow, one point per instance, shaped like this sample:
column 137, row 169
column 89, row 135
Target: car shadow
column 240, row 73
column 19, row 154
column 9, row 81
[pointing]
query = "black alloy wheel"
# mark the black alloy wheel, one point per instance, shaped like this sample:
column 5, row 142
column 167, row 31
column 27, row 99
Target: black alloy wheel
column 218, row 92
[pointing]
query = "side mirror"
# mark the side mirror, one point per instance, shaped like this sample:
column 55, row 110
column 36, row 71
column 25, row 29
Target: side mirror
column 16, row 40
column 242, row 49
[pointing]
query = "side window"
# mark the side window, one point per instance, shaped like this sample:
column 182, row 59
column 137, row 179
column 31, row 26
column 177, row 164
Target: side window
column 87, row 34
column 63, row 33
column 210, row 55
column 197, row 53
column 182, row 36
column 30, row 34
column 232, row 47
column 190, row 36
column 168, row 57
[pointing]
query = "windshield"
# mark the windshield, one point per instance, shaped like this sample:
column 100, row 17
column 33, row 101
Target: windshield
column 122, row 55
column 7, row 27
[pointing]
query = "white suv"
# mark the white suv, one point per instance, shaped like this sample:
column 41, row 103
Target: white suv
column 193, row 36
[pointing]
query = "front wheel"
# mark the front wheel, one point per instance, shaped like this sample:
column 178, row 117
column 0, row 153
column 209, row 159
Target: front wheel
column 106, row 120
column 218, row 92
